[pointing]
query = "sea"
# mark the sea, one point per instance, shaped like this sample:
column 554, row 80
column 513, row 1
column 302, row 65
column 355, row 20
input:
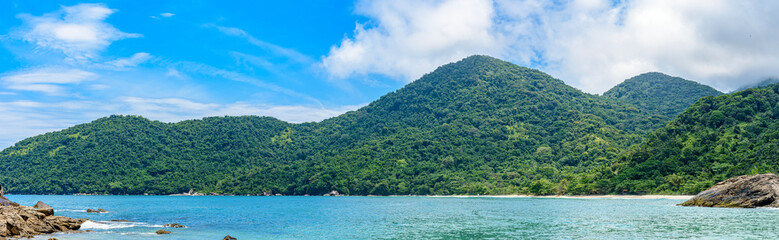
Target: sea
column 318, row 217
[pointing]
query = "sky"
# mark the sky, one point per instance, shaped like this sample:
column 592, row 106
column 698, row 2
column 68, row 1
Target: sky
column 64, row 63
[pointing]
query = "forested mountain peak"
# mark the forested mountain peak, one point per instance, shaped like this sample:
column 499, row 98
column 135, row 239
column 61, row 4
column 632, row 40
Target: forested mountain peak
column 477, row 126
column 662, row 94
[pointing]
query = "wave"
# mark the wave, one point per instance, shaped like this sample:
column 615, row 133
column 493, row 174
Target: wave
column 102, row 225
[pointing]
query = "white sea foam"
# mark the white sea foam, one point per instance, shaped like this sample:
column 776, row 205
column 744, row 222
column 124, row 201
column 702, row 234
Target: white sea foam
column 101, row 225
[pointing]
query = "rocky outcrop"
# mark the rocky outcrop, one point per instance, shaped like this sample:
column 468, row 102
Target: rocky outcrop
column 229, row 238
column 99, row 210
column 173, row 225
column 760, row 190
column 333, row 193
column 23, row 221
column 161, row 231
column 44, row 208
column 120, row 220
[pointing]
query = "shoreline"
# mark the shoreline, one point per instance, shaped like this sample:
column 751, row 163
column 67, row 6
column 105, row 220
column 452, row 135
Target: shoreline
column 675, row 197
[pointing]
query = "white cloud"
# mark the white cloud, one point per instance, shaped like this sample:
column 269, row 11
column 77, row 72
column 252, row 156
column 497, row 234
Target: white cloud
column 178, row 109
column 238, row 77
column 47, row 80
column 78, row 31
column 173, row 73
column 408, row 38
column 595, row 45
column 167, row 14
column 592, row 44
column 134, row 60
column 276, row 50
column 23, row 118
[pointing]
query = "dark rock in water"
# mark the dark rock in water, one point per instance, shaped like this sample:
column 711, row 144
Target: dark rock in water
column 119, row 220
column 174, row 225
column 99, row 210
column 333, row 193
column 163, row 231
column 760, row 190
column 44, row 208
column 229, row 238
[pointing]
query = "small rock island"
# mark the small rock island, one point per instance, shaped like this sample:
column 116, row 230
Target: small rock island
column 761, row 190
column 23, row 221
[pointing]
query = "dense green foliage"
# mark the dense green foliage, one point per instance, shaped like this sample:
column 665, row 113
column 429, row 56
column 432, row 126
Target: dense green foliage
column 715, row 139
column 478, row 126
column 661, row 94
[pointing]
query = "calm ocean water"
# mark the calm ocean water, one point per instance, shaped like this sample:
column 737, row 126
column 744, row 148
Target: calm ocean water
column 213, row 217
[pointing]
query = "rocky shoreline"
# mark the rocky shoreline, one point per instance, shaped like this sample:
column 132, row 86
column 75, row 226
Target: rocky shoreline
column 761, row 190
column 23, row 221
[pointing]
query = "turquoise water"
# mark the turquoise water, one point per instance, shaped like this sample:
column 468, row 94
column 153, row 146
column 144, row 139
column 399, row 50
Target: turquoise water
column 213, row 217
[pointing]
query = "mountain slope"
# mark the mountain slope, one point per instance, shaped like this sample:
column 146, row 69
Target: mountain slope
column 130, row 154
column 473, row 127
column 715, row 139
column 477, row 126
column 661, row 94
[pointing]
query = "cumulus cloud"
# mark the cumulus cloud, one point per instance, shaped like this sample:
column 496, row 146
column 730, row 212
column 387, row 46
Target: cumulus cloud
column 407, row 38
column 595, row 44
column 591, row 44
column 46, row 80
column 79, row 31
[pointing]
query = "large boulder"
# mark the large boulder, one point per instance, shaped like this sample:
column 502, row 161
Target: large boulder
column 44, row 208
column 760, row 190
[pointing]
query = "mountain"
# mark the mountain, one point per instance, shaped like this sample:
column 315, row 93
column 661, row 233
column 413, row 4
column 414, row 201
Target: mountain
column 661, row 94
column 715, row 139
column 765, row 82
column 477, row 126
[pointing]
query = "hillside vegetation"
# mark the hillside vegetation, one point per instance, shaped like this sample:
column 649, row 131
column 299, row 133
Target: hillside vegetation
column 478, row 126
column 661, row 94
column 715, row 139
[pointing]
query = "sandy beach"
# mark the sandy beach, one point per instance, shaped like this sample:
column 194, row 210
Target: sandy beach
column 679, row 197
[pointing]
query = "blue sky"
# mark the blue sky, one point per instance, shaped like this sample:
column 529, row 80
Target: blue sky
column 68, row 62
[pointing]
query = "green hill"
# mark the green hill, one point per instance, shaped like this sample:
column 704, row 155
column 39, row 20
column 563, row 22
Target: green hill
column 715, row 139
column 477, row 126
column 661, row 94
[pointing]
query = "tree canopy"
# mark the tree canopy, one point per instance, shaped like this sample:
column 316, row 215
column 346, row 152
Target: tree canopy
column 477, row 126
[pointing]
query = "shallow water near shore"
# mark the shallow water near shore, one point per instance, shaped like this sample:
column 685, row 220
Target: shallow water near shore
column 293, row 217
